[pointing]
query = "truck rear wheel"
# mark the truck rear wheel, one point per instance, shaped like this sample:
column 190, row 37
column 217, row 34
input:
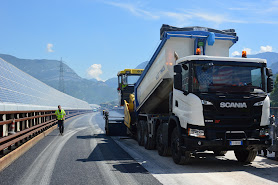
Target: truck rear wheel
column 179, row 157
column 245, row 155
column 162, row 149
column 149, row 143
column 219, row 152
column 139, row 133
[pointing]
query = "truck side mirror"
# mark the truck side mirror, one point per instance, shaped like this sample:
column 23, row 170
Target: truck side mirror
column 269, row 85
column 177, row 69
column 177, row 81
column 269, row 72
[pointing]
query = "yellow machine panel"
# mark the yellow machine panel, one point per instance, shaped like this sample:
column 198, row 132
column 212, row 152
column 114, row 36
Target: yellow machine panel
column 131, row 71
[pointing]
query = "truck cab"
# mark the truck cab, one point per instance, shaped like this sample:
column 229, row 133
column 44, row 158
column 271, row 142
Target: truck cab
column 126, row 80
column 222, row 103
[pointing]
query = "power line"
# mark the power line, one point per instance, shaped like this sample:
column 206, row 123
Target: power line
column 61, row 77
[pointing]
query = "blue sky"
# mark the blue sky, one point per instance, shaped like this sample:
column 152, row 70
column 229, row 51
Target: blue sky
column 98, row 38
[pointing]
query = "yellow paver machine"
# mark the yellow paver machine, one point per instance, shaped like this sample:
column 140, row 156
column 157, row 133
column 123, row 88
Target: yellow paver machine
column 126, row 81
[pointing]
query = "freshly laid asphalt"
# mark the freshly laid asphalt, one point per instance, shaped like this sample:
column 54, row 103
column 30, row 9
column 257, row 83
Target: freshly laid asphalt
column 83, row 155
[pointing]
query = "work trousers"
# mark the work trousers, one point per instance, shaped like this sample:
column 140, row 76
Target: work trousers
column 61, row 126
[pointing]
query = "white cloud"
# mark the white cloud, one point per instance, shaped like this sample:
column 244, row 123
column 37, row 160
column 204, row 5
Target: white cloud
column 187, row 16
column 266, row 49
column 248, row 51
column 134, row 10
column 238, row 9
column 235, row 53
column 212, row 17
column 94, row 71
column 49, row 48
column 181, row 19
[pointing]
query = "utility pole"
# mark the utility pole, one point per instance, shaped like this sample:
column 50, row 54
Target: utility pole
column 61, row 77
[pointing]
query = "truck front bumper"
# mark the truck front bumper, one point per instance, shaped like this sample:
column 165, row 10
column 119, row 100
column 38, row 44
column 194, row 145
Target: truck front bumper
column 199, row 144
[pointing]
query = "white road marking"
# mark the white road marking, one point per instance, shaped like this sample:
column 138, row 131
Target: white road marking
column 40, row 171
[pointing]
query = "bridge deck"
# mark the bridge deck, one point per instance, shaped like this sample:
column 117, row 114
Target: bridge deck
column 84, row 155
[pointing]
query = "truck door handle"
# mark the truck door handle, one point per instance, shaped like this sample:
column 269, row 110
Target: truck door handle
column 176, row 103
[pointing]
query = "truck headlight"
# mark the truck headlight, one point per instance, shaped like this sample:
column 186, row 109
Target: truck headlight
column 196, row 133
column 260, row 103
column 205, row 102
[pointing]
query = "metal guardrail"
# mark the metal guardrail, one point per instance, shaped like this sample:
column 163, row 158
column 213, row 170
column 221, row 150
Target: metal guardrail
column 29, row 123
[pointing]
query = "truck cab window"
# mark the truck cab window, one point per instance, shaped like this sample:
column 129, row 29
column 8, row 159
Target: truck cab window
column 124, row 79
column 185, row 77
column 256, row 77
column 227, row 78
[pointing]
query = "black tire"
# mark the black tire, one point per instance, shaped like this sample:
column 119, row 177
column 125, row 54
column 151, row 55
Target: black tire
column 161, row 148
column 145, row 133
column 219, row 152
column 178, row 156
column 107, row 132
column 149, row 142
column 276, row 156
column 245, row 155
column 139, row 134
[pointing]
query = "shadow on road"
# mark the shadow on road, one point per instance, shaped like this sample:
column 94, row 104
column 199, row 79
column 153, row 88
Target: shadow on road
column 107, row 150
column 202, row 163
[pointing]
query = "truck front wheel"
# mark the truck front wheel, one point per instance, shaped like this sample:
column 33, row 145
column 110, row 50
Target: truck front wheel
column 162, row 149
column 245, row 155
column 179, row 157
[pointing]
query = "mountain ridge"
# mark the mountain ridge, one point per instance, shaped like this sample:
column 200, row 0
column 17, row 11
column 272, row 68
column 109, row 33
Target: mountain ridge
column 48, row 71
column 271, row 57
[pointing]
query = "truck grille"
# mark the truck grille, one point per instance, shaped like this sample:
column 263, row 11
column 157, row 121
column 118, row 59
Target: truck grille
column 230, row 117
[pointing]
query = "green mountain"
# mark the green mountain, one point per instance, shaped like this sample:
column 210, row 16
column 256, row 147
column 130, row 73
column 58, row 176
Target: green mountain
column 48, row 71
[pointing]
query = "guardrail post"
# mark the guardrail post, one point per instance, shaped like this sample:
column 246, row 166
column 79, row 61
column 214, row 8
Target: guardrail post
column 43, row 118
column 40, row 119
column 27, row 121
column 13, row 126
column 34, row 120
column 47, row 118
column 5, row 127
column 22, row 123
column 31, row 120
column 17, row 123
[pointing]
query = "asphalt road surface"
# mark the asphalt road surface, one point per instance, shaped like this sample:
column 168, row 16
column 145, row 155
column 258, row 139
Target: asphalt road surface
column 84, row 155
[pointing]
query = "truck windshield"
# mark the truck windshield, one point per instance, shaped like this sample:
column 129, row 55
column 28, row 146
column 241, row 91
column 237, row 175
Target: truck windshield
column 214, row 77
column 130, row 79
